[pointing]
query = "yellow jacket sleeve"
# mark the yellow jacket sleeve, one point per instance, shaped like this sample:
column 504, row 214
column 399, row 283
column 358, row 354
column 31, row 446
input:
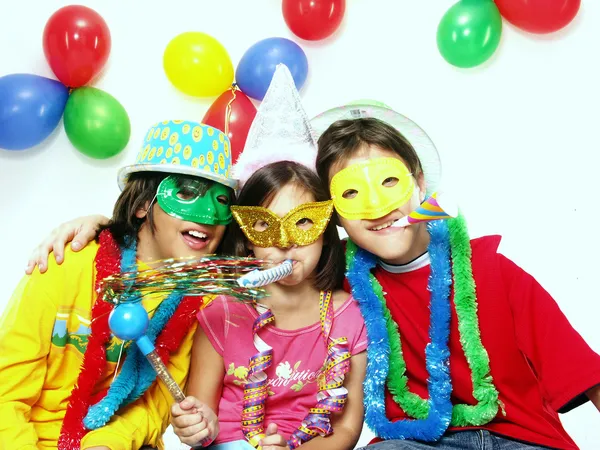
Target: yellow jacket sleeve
column 145, row 421
column 25, row 339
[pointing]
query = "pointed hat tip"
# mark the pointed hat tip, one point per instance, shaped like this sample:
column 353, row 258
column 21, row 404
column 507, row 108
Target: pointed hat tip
column 280, row 124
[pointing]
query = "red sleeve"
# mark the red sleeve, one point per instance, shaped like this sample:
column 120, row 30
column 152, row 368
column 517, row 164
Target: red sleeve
column 563, row 362
column 214, row 322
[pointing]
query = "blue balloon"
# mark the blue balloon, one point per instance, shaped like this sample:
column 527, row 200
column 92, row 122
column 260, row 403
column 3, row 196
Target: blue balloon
column 30, row 109
column 256, row 68
column 128, row 321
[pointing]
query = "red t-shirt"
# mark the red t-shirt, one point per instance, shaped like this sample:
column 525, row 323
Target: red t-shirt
column 539, row 363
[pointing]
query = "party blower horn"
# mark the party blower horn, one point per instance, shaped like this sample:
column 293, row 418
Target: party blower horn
column 258, row 278
column 438, row 206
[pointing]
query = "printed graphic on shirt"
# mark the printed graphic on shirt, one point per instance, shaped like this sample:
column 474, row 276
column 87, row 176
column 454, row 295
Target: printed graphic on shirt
column 71, row 331
column 287, row 375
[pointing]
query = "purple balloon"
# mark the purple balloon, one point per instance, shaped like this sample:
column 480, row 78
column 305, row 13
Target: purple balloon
column 256, row 68
column 30, row 109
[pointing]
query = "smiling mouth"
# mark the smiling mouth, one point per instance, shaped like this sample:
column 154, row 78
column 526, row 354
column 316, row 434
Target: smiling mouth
column 383, row 226
column 195, row 239
column 197, row 235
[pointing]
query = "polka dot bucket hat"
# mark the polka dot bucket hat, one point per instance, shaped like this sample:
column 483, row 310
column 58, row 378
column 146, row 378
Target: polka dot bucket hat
column 184, row 147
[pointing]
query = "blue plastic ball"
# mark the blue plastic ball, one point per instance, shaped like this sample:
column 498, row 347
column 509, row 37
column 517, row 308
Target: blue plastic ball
column 128, row 321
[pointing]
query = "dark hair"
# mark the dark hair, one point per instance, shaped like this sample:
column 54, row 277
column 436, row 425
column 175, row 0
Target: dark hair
column 140, row 190
column 260, row 189
column 345, row 137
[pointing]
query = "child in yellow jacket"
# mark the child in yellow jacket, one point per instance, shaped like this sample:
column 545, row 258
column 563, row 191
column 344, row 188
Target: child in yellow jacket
column 57, row 356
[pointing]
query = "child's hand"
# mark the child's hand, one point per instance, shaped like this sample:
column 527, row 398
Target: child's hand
column 274, row 440
column 194, row 422
column 81, row 231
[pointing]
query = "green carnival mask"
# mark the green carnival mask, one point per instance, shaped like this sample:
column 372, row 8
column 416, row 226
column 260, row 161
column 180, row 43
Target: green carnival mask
column 195, row 200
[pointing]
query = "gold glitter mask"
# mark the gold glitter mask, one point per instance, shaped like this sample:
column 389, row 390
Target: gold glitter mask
column 301, row 226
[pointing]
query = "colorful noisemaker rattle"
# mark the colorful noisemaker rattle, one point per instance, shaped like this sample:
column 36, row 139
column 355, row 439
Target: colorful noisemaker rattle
column 436, row 207
column 128, row 322
column 210, row 275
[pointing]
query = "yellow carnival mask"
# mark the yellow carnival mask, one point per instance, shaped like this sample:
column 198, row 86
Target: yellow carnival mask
column 371, row 189
column 301, row 226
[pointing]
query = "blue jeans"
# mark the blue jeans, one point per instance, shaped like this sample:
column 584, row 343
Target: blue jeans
column 468, row 439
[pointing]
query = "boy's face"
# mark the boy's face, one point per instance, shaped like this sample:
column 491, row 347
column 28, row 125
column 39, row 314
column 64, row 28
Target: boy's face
column 189, row 216
column 367, row 206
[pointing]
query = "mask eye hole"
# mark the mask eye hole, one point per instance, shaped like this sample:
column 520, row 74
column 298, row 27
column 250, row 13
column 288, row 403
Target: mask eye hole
column 390, row 182
column 304, row 224
column 260, row 225
column 223, row 200
column 187, row 193
column 350, row 194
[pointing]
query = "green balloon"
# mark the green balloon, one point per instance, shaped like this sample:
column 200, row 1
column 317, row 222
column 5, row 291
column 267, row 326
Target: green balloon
column 469, row 32
column 96, row 123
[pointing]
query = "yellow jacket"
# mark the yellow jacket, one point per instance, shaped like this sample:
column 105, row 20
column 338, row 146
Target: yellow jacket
column 43, row 336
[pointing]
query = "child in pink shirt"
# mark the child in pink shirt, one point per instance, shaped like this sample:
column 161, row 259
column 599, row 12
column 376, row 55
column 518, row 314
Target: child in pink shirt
column 292, row 201
column 298, row 357
column 288, row 371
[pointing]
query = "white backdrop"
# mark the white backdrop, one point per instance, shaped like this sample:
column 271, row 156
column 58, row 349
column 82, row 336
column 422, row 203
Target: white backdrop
column 517, row 136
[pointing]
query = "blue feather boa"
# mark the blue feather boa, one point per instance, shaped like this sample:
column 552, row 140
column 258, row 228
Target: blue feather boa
column 437, row 353
column 136, row 375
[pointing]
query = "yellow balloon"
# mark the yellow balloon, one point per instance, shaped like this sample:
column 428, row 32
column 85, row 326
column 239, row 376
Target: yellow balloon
column 198, row 65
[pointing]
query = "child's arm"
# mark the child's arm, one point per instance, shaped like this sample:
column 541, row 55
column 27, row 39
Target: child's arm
column 594, row 395
column 25, row 339
column 565, row 365
column 207, row 372
column 347, row 425
column 144, row 421
column 80, row 231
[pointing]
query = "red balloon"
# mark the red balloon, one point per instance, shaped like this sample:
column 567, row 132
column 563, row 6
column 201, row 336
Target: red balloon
column 76, row 44
column 240, row 118
column 539, row 16
column 313, row 20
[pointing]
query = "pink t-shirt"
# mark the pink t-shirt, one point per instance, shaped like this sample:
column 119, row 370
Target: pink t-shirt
column 298, row 357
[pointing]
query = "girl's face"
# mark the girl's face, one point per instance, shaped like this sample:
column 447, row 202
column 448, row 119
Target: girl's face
column 374, row 234
column 306, row 257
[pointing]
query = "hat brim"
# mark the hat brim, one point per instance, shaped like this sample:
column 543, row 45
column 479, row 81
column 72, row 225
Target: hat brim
column 421, row 142
column 174, row 169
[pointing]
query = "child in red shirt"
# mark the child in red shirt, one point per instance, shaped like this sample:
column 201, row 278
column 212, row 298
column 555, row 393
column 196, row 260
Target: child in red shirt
column 466, row 349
